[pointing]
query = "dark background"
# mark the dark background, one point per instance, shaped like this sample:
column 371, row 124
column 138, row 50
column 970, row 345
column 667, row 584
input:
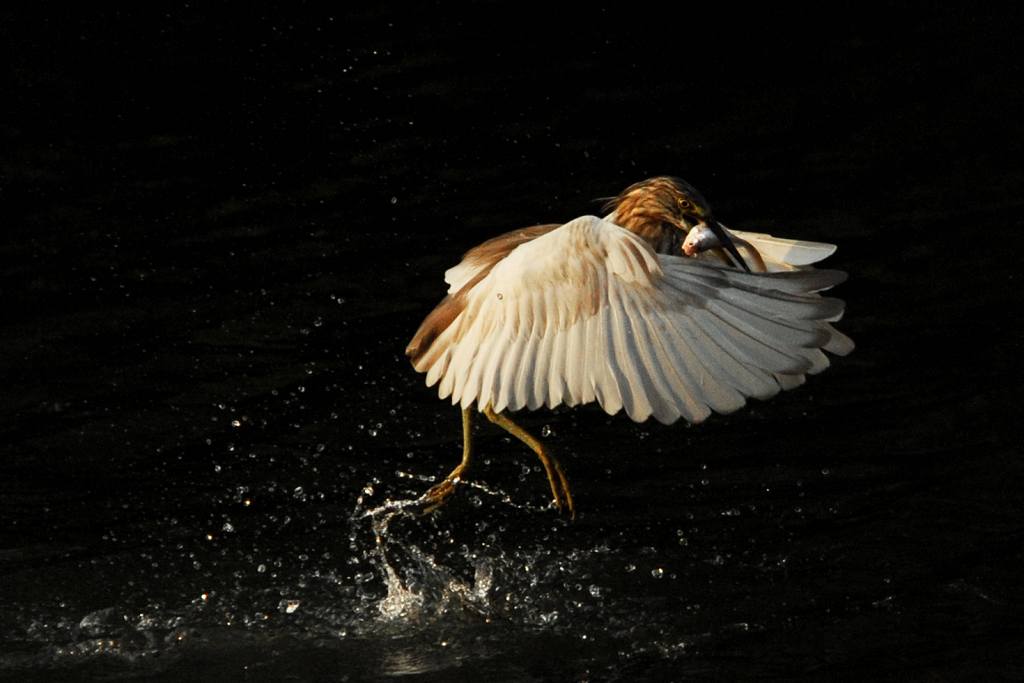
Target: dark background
column 220, row 228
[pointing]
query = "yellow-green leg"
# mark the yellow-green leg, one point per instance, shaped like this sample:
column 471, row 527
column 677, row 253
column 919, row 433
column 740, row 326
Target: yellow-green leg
column 556, row 476
column 438, row 494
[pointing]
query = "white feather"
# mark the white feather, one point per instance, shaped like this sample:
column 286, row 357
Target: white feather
column 785, row 251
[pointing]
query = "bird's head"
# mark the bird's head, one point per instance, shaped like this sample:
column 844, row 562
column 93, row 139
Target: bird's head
column 663, row 199
column 667, row 204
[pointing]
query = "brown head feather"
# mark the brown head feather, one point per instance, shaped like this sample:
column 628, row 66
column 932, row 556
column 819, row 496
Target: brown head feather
column 655, row 209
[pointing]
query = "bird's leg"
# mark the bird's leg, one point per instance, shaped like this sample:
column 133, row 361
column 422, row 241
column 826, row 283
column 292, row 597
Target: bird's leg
column 438, row 494
column 556, row 476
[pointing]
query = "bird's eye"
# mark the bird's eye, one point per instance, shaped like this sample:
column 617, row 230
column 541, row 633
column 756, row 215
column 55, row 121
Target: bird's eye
column 684, row 203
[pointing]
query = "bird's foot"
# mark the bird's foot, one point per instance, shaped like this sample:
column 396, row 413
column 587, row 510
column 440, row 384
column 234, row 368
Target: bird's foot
column 559, row 487
column 438, row 495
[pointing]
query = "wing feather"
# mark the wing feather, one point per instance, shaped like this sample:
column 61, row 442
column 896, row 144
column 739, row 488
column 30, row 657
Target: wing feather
column 706, row 389
column 719, row 363
column 787, row 251
column 603, row 365
column 686, row 389
column 631, row 384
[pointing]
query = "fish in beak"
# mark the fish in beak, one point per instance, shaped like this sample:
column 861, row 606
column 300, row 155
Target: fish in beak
column 710, row 234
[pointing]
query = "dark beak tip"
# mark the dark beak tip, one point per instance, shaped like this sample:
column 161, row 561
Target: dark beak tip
column 723, row 236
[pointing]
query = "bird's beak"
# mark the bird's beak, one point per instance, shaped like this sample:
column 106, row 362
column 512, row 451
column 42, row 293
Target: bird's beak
column 723, row 236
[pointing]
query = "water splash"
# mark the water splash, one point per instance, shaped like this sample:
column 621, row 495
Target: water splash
column 418, row 585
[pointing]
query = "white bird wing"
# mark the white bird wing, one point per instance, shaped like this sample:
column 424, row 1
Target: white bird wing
column 589, row 312
column 786, row 251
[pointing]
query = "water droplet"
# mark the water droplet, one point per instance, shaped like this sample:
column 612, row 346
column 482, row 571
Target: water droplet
column 630, row 568
column 289, row 606
column 227, row 528
column 368, row 490
column 657, row 572
column 394, row 200
column 261, row 568
column 546, row 430
column 482, row 580
column 236, row 423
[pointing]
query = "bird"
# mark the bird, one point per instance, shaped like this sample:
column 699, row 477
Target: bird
column 656, row 309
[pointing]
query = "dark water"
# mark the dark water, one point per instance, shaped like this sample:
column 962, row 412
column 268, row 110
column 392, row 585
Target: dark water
column 219, row 231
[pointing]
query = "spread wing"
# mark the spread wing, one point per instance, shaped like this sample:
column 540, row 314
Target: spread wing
column 589, row 312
